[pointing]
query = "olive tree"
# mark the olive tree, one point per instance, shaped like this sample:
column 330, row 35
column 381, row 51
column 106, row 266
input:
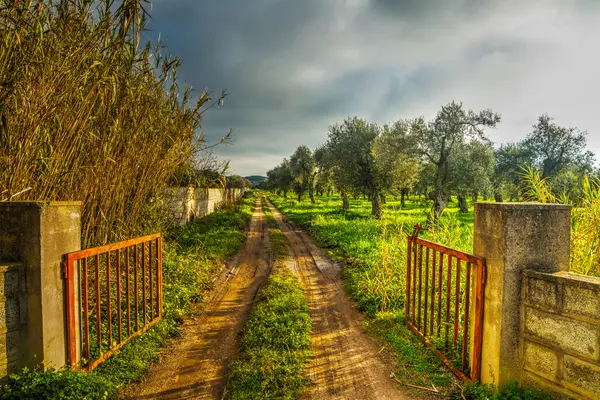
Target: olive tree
column 350, row 145
column 302, row 165
column 438, row 139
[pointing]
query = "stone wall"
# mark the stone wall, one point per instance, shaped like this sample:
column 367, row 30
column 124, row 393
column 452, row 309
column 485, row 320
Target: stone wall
column 188, row 203
column 561, row 333
column 13, row 317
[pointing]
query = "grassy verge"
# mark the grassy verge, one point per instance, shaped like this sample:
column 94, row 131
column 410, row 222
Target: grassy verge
column 191, row 257
column 275, row 344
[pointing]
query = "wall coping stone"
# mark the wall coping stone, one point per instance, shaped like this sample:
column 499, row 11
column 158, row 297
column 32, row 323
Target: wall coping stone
column 565, row 277
column 524, row 205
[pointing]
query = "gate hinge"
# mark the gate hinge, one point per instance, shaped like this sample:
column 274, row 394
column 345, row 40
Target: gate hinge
column 65, row 270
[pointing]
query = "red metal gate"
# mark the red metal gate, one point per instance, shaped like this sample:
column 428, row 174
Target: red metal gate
column 118, row 288
column 440, row 298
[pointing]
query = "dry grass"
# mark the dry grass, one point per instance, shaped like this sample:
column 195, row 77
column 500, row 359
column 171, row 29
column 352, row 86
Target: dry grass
column 88, row 114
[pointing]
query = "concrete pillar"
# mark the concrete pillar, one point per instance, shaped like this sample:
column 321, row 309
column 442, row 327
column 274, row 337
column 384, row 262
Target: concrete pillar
column 513, row 237
column 37, row 234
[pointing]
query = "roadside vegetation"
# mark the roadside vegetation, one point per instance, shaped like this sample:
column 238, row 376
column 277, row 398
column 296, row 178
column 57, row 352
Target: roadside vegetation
column 191, row 257
column 275, row 343
column 373, row 253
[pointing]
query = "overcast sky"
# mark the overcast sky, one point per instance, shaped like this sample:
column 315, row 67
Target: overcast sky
column 293, row 67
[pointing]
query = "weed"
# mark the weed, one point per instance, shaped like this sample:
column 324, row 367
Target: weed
column 512, row 391
column 275, row 343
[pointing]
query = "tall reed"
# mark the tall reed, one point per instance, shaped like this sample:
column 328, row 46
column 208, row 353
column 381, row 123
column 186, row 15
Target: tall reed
column 89, row 114
column 585, row 220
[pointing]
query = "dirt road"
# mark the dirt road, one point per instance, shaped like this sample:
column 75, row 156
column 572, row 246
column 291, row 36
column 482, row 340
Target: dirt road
column 196, row 366
column 345, row 363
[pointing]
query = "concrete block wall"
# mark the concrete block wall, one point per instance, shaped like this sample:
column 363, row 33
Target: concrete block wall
column 561, row 333
column 188, row 203
column 13, row 317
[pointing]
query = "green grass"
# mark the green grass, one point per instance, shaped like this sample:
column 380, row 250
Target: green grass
column 191, row 257
column 512, row 391
column 275, row 343
column 373, row 253
column 278, row 241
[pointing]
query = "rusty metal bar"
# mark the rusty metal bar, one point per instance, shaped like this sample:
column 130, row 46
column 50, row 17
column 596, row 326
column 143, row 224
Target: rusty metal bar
column 108, row 305
column 449, row 251
column 128, row 301
column 441, row 355
column 151, row 288
column 433, row 268
column 119, row 295
column 143, row 281
column 98, row 312
column 104, row 318
column 110, row 352
column 421, row 319
column 79, row 254
column 159, row 276
column 420, row 299
column 68, row 272
column 425, row 315
column 439, row 314
column 86, row 318
column 456, row 306
column 448, row 295
column 135, row 287
column 478, row 327
column 466, row 316
column 407, row 295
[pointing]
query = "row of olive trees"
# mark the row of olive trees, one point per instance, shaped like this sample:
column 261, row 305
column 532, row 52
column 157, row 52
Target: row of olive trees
column 449, row 155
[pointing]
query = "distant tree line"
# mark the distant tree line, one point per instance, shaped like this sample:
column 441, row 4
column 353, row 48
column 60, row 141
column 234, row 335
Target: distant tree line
column 449, row 155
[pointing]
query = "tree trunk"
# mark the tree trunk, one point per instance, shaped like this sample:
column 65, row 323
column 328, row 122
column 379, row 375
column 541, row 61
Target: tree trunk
column 402, row 194
column 376, row 204
column 383, row 199
column 498, row 197
column 345, row 201
column 285, row 194
column 311, row 188
column 439, row 205
column 474, row 197
column 462, row 203
column 299, row 197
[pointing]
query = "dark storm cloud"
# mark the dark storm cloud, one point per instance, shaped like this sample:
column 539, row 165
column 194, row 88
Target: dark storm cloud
column 294, row 67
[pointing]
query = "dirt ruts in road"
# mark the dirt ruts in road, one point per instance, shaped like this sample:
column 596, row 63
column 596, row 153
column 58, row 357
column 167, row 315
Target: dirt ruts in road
column 345, row 363
column 195, row 367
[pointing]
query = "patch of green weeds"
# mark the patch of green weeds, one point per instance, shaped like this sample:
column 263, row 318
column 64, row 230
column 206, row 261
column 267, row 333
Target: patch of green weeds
column 512, row 391
column 275, row 343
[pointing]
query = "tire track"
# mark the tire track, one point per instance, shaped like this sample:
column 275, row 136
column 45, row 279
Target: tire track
column 195, row 367
column 345, row 363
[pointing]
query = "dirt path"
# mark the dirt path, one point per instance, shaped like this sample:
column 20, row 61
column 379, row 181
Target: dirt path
column 345, row 363
column 196, row 366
